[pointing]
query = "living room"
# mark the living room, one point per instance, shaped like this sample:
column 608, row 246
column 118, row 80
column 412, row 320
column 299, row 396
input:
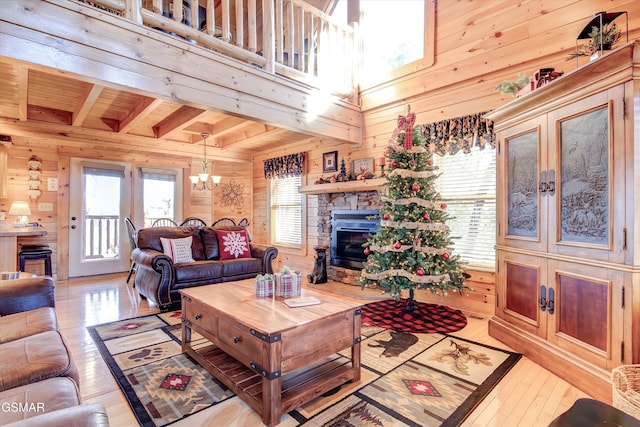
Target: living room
column 475, row 46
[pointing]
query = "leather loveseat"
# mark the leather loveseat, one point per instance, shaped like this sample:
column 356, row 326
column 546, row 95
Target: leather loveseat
column 159, row 279
column 38, row 378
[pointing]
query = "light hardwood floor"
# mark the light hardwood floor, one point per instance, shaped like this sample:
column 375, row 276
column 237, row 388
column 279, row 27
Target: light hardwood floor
column 528, row 396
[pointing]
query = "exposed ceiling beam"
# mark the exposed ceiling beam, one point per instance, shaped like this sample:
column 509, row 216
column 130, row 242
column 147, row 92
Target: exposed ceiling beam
column 144, row 108
column 85, row 105
column 57, row 134
column 182, row 118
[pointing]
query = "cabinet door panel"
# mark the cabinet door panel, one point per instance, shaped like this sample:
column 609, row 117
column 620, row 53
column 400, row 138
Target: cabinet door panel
column 586, row 322
column 584, row 152
column 519, row 291
column 521, row 209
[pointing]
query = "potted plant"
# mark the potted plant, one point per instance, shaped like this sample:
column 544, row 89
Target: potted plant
column 610, row 35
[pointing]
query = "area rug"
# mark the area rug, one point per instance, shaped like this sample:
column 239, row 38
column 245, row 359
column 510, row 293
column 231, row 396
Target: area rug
column 407, row 379
column 426, row 318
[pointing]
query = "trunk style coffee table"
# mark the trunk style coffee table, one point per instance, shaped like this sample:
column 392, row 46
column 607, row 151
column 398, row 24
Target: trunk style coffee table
column 274, row 357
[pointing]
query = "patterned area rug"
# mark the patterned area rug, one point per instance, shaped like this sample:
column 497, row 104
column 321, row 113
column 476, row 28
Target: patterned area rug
column 408, row 379
column 425, row 318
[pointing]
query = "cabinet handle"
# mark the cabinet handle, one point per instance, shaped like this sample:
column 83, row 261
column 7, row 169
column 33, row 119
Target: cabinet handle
column 198, row 316
column 543, row 298
column 543, row 187
column 550, row 301
column 552, row 182
column 543, row 182
column 236, row 340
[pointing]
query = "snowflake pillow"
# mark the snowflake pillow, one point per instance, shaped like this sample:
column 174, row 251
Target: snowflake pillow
column 179, row 250
column 233, row 244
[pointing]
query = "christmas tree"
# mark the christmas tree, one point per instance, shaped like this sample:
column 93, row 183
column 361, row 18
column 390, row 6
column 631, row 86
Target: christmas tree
column 412, row 247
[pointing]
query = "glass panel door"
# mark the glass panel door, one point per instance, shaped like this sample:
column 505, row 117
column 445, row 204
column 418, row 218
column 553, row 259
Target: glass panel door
column 99, row 202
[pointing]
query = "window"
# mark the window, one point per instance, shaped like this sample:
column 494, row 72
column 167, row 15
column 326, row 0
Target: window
column 286, row 211
column 159, row 194
column 396, row 40
column 467, row 184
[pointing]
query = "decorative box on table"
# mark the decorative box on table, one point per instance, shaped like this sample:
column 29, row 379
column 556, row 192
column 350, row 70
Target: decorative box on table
column 264, row 285
column 288, row 283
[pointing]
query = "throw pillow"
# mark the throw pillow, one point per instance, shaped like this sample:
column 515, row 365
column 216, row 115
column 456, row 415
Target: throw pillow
column 233, row 244
column 179, row 250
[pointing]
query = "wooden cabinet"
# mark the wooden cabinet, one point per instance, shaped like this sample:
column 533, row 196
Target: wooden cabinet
column 568, row 212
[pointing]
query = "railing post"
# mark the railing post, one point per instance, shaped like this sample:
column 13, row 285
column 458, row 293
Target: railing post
column 268, row 35
column 132, row 11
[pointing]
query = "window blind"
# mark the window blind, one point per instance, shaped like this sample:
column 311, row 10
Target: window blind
column 467, row 185
column 286, row 211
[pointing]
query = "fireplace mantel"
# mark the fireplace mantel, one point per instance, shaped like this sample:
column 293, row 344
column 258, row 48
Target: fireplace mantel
column 344, row 187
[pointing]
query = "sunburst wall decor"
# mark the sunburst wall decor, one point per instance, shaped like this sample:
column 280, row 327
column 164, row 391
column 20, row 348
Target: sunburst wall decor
column 233, row 195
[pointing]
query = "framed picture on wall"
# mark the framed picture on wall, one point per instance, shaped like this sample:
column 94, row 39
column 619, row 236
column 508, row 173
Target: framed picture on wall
column 330, row 162
column 363, row 165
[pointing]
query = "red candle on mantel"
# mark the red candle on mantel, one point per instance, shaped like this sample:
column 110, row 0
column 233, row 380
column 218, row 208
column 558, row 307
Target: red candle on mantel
column 382, row 161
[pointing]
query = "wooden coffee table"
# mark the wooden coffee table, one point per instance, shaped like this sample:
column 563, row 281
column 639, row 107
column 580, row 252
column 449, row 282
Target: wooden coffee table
column 272, row 356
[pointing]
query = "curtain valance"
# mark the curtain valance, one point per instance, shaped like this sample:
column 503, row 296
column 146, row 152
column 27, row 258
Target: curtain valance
column 285, row 166
column 461, row 133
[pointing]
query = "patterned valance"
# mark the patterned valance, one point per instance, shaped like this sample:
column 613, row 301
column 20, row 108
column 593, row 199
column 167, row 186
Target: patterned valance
column 462, row 133
column 285, row 166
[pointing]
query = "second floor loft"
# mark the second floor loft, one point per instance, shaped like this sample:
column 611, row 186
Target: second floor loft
column 149, row 73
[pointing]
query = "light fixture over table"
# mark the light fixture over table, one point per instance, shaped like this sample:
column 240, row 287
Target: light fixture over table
column 200, row 182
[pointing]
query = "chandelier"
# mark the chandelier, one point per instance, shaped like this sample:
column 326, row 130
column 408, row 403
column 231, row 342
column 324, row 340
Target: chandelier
column 200, row 181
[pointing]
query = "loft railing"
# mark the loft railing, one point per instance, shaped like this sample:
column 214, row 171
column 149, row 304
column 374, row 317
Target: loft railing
column 288, row 37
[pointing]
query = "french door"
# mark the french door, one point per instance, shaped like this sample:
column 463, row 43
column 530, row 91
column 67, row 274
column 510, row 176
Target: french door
column 100, row 199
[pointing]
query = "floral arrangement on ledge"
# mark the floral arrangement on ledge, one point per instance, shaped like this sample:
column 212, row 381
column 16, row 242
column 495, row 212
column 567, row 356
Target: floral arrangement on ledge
column 610, row 35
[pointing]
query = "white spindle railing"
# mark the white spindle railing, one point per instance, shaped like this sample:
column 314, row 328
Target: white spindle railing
column 297, row 40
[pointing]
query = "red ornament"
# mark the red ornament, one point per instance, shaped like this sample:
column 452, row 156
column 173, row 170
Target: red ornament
column 386, row 217
column 443, row 206
column 426, row 217
column 420, row 272
column 397, row 245
column 415, row 187
column 430, row 162
column 445, row 255
column 366, row 251
column 394, row 164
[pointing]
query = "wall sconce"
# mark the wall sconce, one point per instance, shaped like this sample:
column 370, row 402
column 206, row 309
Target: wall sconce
column 200, row 181
column 22, row 211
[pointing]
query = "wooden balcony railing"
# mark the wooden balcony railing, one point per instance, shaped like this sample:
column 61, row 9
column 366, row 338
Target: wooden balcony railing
column 288, row 37
column 101, row 236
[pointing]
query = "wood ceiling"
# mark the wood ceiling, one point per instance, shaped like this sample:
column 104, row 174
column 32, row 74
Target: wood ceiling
column 40, row 102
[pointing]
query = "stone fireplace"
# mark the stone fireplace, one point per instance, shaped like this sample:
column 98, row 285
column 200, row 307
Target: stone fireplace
column 329, row 202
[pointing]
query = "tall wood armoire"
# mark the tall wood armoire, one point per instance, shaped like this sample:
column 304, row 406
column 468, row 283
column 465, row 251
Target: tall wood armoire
column 568, row 212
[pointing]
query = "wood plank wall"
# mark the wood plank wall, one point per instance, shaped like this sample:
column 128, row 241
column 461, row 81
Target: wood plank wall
column 479, row 44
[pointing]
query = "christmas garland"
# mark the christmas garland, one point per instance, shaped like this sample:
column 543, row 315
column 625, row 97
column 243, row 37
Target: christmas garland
column 418, row 201
column 402, row 248
column 406, row 173
column 413, row 277
column 431, row 226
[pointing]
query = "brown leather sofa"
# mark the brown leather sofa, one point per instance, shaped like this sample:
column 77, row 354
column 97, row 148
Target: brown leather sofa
column 38, row 378
column 160, row 280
